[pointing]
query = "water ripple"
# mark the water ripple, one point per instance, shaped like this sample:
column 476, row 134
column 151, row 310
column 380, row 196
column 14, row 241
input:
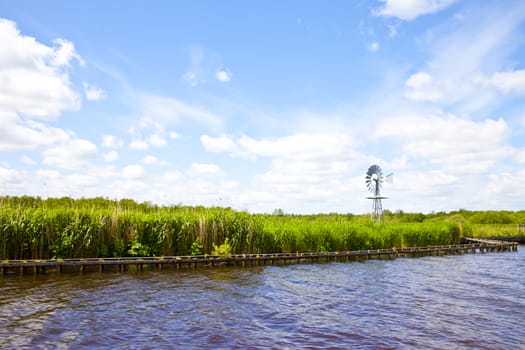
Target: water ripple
column 461, row 302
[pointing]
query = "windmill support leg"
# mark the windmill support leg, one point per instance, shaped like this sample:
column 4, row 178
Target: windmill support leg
column 378, row 209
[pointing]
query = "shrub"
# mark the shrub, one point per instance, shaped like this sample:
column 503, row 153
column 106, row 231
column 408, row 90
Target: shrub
column 222, row 251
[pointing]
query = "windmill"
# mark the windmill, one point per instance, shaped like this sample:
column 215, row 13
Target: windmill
column 373, row 179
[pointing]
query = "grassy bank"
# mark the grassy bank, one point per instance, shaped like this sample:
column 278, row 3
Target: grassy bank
column 33, row 228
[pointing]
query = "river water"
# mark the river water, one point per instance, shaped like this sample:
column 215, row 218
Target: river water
column 473, row 301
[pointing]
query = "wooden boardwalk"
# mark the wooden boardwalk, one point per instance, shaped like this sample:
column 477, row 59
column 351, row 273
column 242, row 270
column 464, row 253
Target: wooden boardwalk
column 139, row 263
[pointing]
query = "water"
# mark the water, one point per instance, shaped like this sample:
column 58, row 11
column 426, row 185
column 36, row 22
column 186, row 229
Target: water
column 474, row 301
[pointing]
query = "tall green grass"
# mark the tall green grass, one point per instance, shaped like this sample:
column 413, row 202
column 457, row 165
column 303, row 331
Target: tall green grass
column 34, row 228
column 296, row 234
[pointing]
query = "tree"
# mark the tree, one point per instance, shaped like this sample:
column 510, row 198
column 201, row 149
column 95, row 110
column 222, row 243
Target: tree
column 278, row 212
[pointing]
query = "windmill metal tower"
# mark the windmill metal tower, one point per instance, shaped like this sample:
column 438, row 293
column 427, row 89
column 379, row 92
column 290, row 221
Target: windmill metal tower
column 373, row 179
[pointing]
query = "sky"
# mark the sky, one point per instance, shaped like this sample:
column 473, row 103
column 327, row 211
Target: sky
column 265, row 104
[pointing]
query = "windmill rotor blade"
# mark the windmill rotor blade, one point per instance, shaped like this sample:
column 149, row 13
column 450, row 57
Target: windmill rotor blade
column 374, row 169
column 374, row 178
column 390, row 178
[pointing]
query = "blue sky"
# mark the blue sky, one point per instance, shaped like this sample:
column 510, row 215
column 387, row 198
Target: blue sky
column 261, row 105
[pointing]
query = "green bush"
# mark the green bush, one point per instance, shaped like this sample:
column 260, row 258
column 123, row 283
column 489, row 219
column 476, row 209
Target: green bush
column 222, row 251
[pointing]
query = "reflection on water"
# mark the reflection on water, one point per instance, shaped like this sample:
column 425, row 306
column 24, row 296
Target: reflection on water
column 466, row 301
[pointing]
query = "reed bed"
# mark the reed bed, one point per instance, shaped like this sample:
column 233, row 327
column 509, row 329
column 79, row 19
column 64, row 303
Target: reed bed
column 35, row 228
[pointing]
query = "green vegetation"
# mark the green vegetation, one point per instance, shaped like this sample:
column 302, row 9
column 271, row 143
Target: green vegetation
column 34, row 228
column 222, row 251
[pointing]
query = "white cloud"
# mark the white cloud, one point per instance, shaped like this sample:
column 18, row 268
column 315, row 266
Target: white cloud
column 35, row 81
column 411, row 9
column 224, row 76
column 200, row 183
column 48, row 174
column 27, row 160
column 94, row 93
column 458, row 145
column 305, row 168
column 509, row 82
column 298, row 146
column 111, row 141
column 64, row 53
column 149, row 159
column 202, row 169
column 505, row 190
column 305, row 186
column 157, row 140
column 174, row 135
column 520, row 156
column 223, row 143
column 25, row 134
column 423, row 190
column 134, row 171
column 138, row 145
column 152, row 160
column 80, row 181
column 420, row 87
column 73, row 154
column 303, row 173
column 88, row 182
column 146, row 133
column 10, row 176
column 111, row 156
column 36, row 85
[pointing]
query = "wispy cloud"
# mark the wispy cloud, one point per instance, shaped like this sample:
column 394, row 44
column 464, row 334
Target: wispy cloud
column 196, row 73
column 508, row 82
column 111, row 141
column 205, row 66
column 169, row 110
column 94, row 93
column 373, row 46
column 411, row 9
column 298, row 146
column 465, row 61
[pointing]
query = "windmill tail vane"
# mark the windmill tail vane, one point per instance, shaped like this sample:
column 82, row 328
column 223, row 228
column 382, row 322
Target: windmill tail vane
column 374, row 179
